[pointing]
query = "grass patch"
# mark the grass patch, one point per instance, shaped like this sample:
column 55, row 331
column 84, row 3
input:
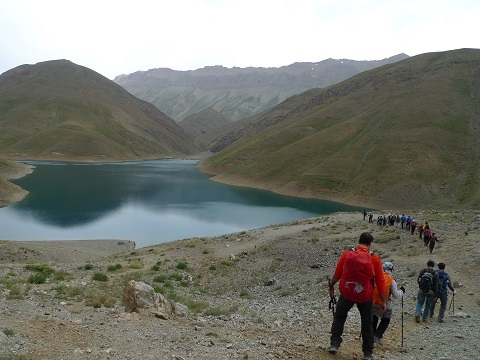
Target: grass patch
column 217, row 311
column 103, row 299
column 99, row 277
column 136, row 265
column 182, row 266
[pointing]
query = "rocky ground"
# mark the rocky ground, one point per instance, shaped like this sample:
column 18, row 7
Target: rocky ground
column 63, row 300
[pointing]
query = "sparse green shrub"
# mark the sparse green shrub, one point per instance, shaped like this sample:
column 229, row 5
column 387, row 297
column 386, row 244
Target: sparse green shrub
column 182, row 265
column 99, row 277
column 227, row 262
column 314, row 240
column 39, row 278
column 136, row 265
column 212, row 267
column 101, row 299
column 205, row 251
column 160, row 278
column 8, row 332
column 160, row 290
column 217, row 311
column 68, row 292
column 155, row 267
column 88, row 266
column 176, row 277
column 44, row 269
column 60, row 275
column 43, row 273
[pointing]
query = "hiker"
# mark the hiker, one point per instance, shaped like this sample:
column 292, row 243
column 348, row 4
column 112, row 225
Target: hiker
column 413, row 225
column 390, row 290
column 404, row 218
column 356, row 270
column 370, row 218
column 408, row 222
column 444, row 281
column 364, row 214
column 426, row 235
column 427, row 289
column 432, row 241
column 420, row 230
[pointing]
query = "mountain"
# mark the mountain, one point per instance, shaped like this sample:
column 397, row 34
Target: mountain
column 403, row 135
column 203, row 125
column 238, row 93
column 60, row 110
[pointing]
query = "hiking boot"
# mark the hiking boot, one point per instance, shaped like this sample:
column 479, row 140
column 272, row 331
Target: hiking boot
column 441, row 320
column 424, row 320
column 377, row 340
column 417, row 319
column 333, row 348
column 368, row 357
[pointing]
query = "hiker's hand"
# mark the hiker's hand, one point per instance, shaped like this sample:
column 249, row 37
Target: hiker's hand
column 331, row 291
column 454, row 292
column 403, row 289
column 384, row 307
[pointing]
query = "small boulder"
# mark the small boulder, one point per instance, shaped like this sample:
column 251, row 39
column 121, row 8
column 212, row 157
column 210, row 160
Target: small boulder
column 138, row 296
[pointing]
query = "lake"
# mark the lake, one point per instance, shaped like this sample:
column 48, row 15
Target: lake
column 149, row 202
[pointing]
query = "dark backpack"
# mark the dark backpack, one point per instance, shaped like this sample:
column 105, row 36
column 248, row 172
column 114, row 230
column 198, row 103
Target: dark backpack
column 442, row 281
column 356, row 283
column 426, row 281
column 432, row 239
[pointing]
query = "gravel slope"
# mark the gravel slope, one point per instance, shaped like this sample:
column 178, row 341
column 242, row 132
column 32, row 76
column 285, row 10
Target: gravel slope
column 268, row 302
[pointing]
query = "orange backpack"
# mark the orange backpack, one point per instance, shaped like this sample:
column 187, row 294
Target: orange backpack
column 376, row 298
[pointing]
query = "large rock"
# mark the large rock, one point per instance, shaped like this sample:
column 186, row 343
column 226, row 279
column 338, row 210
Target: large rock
column 138, row 296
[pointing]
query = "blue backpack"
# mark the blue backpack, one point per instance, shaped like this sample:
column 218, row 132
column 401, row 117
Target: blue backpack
column 442, row 281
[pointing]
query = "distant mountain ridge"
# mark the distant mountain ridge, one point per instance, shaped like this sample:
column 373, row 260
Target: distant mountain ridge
column 60, row 110
column 238, row 93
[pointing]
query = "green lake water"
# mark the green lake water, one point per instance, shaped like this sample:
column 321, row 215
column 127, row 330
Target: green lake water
column 149, row 202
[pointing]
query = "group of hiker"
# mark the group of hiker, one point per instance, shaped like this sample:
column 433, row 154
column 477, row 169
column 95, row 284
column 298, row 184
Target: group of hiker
column 369, row 284
column 409, row 224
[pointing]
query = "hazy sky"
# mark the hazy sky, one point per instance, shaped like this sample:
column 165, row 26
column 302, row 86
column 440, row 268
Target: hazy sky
column 121, row 37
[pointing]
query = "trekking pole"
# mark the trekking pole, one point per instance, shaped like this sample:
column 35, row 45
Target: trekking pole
column 333, row 301
column 452, row 303
column 402, row 320
column 332, row 304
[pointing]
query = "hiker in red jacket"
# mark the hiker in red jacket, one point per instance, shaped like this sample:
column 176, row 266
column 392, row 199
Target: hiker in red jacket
column 357, row 269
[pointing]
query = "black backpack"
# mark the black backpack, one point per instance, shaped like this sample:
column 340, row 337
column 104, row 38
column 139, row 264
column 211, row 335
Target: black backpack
column 426, row 281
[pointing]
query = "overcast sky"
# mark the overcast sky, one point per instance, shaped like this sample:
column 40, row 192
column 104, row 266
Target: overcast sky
column 121, row 37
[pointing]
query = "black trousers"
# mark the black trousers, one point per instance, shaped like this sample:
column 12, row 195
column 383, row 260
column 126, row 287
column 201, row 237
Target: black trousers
column 379, row 329
column 341, row 312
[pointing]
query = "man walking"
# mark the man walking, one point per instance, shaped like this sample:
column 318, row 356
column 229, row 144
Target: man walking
column 357, row 270
column 444, row 282
column 427, row 284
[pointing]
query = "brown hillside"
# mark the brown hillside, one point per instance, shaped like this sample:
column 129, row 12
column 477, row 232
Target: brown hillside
column 406, row 134
column 60, row 110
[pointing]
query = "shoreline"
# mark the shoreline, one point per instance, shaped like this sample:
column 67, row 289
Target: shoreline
column 62, row 251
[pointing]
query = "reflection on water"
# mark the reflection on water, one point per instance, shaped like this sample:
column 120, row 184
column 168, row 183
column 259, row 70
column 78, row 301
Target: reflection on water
column 149, row 202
